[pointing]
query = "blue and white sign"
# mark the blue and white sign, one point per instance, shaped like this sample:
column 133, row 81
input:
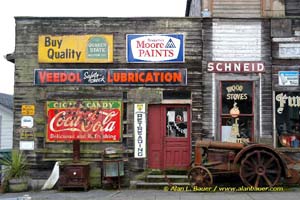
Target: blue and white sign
column 288, row 78
column 145, row 48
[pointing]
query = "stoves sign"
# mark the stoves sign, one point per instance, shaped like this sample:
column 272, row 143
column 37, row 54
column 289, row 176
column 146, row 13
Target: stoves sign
column 75, row 49
column 84, row 120
column 144, row 48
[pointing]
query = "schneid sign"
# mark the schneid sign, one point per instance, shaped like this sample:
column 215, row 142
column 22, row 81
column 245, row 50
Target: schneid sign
column 144, row 48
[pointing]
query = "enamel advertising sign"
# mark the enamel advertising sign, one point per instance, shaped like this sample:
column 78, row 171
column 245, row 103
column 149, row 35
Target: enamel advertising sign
column 84, row 120
column 75, row 49
column 147, row 77
column 145, row 48
column 140, row 130
column 288, row 78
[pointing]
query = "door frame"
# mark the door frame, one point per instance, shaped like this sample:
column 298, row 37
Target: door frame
column 165, row 139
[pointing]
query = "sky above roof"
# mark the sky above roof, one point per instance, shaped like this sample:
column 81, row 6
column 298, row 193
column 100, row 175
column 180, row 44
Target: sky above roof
column 64, row 8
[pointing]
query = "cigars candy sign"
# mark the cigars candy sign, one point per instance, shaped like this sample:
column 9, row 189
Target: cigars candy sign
column 84, row 120
column 155, row 48
column 75, row 49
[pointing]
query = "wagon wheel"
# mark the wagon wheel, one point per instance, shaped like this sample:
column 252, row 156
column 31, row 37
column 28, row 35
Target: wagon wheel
column 200, row 176
column 260, row 168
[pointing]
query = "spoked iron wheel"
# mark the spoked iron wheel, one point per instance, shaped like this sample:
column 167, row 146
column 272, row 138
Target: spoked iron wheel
column 200, row 176
column 260, row 168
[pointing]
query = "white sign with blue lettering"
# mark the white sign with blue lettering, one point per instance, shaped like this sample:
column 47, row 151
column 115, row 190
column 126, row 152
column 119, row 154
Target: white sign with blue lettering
column 140, row 130
column 144, row 48
column 288, row 78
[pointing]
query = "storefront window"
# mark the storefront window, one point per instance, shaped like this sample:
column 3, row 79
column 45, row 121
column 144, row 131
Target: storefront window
column 176, row 122
column 237, row 111
column 287, row 118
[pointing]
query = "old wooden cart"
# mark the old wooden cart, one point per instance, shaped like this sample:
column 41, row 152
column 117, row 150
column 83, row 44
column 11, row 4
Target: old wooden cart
column 257, row 164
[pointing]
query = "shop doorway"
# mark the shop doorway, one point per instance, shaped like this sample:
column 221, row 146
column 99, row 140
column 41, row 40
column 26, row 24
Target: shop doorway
column 169, row 136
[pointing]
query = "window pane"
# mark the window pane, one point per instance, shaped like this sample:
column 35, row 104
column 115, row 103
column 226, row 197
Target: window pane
column 176, row 122
column 239, row 93
column 240, row 127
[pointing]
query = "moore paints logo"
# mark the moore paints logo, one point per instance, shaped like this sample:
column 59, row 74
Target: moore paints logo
column 155, row 48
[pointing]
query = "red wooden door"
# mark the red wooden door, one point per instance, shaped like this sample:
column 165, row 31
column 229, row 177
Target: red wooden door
column 169, row 136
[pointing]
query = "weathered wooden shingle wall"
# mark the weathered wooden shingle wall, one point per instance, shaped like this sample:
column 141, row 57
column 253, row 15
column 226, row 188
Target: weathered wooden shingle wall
column 292, row 7
column 237, row 8
column 237, row 40
column 285, row 49
column 27, row 31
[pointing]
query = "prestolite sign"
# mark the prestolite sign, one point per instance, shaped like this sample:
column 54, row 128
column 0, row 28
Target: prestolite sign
column 144, row 48
column 75, row 49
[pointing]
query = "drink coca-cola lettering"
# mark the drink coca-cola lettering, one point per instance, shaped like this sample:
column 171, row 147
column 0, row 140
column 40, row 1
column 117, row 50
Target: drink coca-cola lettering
column 85, row 125
column 97, row 121
column 84, row 120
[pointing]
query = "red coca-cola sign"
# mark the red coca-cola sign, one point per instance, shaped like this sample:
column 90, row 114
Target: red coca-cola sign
column 89, row 120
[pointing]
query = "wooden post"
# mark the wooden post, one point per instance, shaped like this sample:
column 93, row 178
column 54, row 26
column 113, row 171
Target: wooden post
column 76, row 150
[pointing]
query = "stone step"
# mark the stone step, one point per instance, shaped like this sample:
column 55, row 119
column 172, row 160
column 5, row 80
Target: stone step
column 168, row 176
column 163, row 178
column 144, row 184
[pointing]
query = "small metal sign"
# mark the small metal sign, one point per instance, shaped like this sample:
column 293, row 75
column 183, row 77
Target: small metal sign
column 140, row 130
column 27, row 122
column 26, row 133
column 26, row 145
column 28, row 110
column 288, row 78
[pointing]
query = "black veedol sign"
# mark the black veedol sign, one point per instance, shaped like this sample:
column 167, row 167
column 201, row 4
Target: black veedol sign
column 110, row 77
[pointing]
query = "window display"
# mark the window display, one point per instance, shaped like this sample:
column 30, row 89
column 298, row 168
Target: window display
column 237, row 111
column 287, row 118
column 176, row 122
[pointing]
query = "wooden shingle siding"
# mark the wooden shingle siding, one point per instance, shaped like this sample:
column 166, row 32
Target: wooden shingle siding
column 289, row 60
column 292, row 7
column 237, row 8
column 236, row 40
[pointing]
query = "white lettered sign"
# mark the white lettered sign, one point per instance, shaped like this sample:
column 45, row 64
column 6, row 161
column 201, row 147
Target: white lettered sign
column 27, row 122
column 26, row 145
column 139, row 131
column 143, row 48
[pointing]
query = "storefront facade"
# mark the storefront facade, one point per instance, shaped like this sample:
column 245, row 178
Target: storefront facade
column 285, row 48
column 131, row 84
column 237, row 77
column 150, row 87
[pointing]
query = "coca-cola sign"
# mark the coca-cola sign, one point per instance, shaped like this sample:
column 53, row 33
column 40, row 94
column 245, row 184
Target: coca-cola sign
column 84, row 120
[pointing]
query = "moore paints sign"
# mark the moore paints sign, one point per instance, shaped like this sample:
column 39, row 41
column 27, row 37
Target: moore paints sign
column 84, row 120
column 75, row 49
column 143, row 48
